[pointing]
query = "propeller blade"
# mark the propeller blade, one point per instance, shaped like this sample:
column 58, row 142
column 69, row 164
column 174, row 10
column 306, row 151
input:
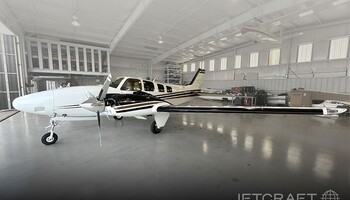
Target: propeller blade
column 98, row 119
column 99, row 127
column 104, row 89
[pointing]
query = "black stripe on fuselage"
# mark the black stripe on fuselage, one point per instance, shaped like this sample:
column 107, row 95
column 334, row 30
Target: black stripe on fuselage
column 180, row 96
column 134, row 109
column 178, row 93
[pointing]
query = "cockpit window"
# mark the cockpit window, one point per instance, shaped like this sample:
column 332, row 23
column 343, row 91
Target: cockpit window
column 115, row 83
column 148, row 85
column 131, row 84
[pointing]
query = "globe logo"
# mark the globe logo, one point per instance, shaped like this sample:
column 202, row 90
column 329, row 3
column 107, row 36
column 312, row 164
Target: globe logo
column 330, row 195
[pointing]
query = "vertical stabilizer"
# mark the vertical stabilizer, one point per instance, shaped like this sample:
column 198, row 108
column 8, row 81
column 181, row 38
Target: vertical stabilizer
column 197, row 81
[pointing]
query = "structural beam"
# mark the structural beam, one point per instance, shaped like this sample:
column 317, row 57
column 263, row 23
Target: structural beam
column 9, row 19
column 265, row 9
column 135, row 15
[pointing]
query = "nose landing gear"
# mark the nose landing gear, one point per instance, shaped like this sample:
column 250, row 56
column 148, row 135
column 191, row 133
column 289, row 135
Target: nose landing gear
column 50, row 137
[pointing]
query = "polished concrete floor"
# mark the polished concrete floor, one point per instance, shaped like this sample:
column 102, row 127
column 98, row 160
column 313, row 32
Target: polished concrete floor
column 214, row 156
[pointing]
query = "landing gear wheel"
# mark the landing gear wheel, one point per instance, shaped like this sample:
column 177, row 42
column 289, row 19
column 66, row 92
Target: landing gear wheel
column 47, row 140
column 117, row 118
column 154, row 128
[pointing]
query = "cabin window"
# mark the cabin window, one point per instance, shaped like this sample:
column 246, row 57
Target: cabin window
column 148, row 85
column 160, row 87
column 115, row 83
column 131, row 84
column 169, row 89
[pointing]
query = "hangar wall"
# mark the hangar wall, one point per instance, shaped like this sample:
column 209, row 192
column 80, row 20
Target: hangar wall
column 121, row 66
column 319, row 74
column 128, row 67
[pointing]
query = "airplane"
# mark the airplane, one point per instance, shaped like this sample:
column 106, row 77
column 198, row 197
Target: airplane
column 132, row 97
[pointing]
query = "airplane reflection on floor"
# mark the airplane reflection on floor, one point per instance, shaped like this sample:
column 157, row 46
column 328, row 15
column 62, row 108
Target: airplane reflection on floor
column 252, row 141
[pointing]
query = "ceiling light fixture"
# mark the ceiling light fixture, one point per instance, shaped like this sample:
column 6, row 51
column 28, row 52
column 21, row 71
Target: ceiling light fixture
column 160, row 40
column 306, row 13
column 338, row 2
column 75, row 21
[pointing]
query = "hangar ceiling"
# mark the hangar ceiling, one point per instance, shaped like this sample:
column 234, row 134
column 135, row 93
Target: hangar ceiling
column 188, row 29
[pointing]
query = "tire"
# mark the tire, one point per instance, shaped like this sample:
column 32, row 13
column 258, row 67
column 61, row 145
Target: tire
column 154, row 128
column 45, row 139
column 117, row 118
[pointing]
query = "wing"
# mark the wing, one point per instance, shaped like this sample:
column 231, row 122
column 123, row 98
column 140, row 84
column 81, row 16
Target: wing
column 256, row 110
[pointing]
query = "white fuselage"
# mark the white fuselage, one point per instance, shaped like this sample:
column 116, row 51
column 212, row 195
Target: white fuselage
column 65, row 102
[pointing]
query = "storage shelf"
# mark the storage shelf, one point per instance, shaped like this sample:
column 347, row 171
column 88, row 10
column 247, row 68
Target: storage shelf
column 172, row 74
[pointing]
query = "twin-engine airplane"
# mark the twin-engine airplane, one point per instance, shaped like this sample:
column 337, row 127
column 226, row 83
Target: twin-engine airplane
column 132, row 97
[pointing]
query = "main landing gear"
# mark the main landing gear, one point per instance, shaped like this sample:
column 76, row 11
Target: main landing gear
column 50, row 137
column 117, row 118
column 154, row 128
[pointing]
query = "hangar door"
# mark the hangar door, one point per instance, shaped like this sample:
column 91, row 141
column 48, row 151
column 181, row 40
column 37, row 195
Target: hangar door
column 9, row 85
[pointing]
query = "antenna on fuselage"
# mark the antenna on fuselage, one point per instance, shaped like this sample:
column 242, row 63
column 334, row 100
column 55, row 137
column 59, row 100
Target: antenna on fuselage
column 155, row 78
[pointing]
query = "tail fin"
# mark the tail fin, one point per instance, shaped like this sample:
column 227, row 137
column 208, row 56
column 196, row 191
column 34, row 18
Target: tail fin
column 197, row 81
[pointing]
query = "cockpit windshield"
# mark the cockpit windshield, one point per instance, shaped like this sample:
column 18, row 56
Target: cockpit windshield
column 115, row 83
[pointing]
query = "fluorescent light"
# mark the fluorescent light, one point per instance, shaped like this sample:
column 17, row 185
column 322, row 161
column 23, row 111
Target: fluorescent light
column 160, row 41
column 338, row 2
column 306, row 13
column 238, row 34
column 75, row 21
column 276, row 23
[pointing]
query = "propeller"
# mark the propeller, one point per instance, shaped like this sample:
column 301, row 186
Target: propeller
column 99, row 127
column 97, row 104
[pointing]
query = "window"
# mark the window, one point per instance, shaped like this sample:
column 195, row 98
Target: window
column 50, row 85
column 184, row 68
column 115, row 83
column 148, row 86
column 223, row 63
column 211, row 65
column 169, row 89
column 201, row 65
column 131, row 84
column 193, row 67
column 304, row 53
column 274, row 56
column 238, row 61
column 160, row 87
column 254, row 59
column 339, row 48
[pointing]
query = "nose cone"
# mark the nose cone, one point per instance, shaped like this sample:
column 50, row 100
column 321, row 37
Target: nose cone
column 38, row 103
column 17, row 103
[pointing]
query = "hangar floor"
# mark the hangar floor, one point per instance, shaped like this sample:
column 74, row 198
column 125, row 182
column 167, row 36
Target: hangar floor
column 217, row 156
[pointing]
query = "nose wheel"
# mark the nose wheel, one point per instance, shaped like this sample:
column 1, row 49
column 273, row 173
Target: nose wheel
column 154, row 128
column 50, row 137
column 47, row 139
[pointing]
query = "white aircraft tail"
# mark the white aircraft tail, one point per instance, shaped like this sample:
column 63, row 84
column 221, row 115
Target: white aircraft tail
column 197, row 81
